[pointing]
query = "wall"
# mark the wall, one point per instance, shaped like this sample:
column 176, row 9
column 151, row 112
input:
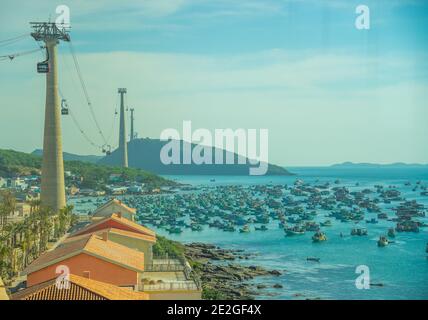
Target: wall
column 100, row 270
column 136, row 244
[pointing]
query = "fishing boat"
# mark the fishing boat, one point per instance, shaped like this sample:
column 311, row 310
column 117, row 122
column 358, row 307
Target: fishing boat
column 312, row 226
column 313, row 259
column 175, row 230
column 326, row 223
column 382, row 215
column 293, row 231
column 372, row 220
column 358, row 232
column 196, row 227
column 382, row 242
column 245, row 229
column 319, row 237
column 261, row 228
column 229, row 228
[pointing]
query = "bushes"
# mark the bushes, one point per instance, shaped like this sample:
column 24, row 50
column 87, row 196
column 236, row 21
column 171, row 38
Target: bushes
column 165, row 246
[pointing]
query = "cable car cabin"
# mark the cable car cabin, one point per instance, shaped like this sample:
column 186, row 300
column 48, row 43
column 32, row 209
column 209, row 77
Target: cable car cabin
column 64, row 107
column 43, row 67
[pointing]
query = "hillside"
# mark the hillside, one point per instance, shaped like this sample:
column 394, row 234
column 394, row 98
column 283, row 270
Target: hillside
column 72, row 157
column 145, row 154
column 14, row 163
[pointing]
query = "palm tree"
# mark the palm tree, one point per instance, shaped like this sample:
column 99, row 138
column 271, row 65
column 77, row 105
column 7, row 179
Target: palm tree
column 7, row 206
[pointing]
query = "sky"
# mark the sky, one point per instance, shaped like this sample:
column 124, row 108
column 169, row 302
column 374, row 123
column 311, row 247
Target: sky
column 326, row 91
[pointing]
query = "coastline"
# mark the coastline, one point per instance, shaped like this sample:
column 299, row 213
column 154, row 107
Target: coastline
column 229, row 280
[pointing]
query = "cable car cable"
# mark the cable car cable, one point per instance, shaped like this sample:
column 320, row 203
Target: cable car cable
column 85, row 91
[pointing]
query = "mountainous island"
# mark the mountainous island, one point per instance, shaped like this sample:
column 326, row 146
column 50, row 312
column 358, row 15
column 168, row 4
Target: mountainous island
column 145, row 154
column 364, row 165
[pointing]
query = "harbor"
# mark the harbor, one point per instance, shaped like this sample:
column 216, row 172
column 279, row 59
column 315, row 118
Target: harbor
column 313, row 229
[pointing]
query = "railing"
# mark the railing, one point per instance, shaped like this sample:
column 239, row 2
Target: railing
column 176, row 263
column 164, row 267
column 166, row 286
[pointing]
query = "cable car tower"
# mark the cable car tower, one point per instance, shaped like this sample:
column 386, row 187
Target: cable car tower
column 52, row 184
column 123, row 145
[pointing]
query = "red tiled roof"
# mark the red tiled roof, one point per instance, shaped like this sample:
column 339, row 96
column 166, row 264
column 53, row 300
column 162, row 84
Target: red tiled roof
column 91, row 245
column 79, row 289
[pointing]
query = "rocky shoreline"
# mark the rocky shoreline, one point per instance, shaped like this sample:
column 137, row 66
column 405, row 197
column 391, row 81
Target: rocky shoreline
column 221, row 276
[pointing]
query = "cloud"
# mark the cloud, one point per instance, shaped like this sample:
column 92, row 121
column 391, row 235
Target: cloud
column 321, row 106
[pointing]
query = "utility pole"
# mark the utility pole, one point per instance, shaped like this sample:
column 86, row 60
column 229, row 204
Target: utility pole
column 132, row 124
column 123, row 147
column 52, row 185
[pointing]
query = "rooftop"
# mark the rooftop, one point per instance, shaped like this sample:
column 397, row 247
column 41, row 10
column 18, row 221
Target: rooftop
column 93, row 245
column 119, row 219
column 80, row 288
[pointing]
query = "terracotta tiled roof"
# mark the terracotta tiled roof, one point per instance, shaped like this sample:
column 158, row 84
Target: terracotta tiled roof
column 79, row 289
column 119, row 219
column 95, row 246
column 124, row 233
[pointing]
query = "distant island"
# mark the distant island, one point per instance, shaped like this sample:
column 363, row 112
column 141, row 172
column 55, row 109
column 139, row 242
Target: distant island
column 72, row 157
column 350, row 165
column 145, row 154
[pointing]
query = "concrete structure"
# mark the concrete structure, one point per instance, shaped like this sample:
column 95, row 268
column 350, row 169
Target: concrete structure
column 123, row 146
column 52, row 180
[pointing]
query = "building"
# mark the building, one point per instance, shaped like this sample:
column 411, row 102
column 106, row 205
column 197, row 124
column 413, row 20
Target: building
column 115, row 177
column 111, row 252
column 78, row 288
column 91, row 257
column 114, row 206
column 134, row 240
column 22, row 209
column 3, row 291
column 17, row 183
column 3, row 182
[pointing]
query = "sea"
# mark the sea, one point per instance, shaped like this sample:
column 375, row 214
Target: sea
column 397, row 271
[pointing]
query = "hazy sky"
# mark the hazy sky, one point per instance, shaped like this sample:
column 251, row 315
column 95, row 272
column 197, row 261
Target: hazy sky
column 326, row 91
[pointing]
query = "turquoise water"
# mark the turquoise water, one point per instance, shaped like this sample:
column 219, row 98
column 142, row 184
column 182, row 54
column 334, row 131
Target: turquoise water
column 402, row 267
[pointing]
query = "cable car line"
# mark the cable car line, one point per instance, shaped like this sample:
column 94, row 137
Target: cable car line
column 85, row 91
column 7, row 42
column 18, row 54
column 76, row 123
